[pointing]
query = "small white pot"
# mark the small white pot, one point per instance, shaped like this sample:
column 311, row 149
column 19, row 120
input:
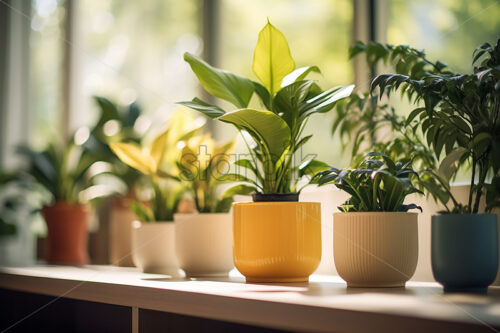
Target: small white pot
column 375, row 249
column 153, row 247
column 204, row 243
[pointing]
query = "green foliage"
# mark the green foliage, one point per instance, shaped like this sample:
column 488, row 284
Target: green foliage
column 377, row 185
column 102, row 134
column 364, row 123
column 460, row 119
column 163, row 205
column 64, row 172
column 289, row 100
column 202, row 165
column 21, row 197
column 158, row 162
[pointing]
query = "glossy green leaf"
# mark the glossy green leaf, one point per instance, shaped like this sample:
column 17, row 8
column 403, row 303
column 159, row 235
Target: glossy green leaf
column 231, row 87
column 247, row 164
column 209, row 110
column 326, row 100
column 264, row 126
column 312, row 167
column 288, row 100
column 299, row 74
column 240, row 189
column 272, row 59
column 263, row 94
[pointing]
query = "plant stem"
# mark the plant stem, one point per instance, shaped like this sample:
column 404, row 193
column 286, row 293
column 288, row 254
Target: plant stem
column 473, row 178
column 479, row 192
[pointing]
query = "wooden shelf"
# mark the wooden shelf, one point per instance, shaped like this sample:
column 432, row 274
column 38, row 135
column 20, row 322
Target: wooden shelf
column 323, row 305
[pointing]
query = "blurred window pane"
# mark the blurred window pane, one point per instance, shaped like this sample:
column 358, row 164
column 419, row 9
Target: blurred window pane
column 46, row 65
column 448, row 30
column 133, row 50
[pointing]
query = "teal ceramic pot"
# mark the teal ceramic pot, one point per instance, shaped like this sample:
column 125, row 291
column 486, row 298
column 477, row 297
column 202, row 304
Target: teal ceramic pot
column 465, row 251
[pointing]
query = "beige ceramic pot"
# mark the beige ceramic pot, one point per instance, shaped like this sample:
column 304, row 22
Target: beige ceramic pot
column 153, row 247
column 375, row 249
column 204, row 243
column 120, row 236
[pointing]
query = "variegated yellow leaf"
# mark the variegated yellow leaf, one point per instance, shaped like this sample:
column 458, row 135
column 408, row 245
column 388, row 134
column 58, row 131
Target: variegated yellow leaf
column 132, row 155
column 159, row 146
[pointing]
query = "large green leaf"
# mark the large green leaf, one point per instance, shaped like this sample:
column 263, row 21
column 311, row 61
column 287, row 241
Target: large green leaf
column 212, row 111
column 288, row 99
column 272, row 59
column 451, row 163
column 231, row 87
column 264, row 95
column 326, row 100
column 298, row 75
column 265, row 127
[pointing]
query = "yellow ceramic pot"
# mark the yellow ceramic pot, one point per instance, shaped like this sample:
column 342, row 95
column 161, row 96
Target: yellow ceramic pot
column 277, row 241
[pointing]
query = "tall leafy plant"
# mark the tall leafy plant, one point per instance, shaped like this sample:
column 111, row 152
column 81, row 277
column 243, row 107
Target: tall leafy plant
column 378, row 184
column 157, row 161
column 461, row 123
column 203, row 164
column 277, row 131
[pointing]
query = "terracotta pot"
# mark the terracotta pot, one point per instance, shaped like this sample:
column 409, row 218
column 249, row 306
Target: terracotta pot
column 204, row 243
column 66, row 242
column 277, row 241
column 153, row 247
column 375, row 249
column 120, row 237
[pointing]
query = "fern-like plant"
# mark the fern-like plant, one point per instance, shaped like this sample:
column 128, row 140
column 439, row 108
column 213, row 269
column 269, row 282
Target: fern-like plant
column 460, row 119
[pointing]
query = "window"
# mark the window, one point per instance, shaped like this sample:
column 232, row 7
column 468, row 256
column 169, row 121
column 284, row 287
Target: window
column 133, row 50
column 448, row 30
column 129, row 50
column 46, row 66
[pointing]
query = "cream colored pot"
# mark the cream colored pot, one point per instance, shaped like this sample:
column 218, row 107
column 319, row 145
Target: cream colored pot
column 375, row 249
column 204, row 243
column 120, row 236
column 153, row 247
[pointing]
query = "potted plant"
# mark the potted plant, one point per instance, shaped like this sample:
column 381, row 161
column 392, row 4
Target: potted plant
column 461, row 123
column 20, row 201
column 118, row 124
column 204, row 240
column 375, row 238
column 153, row 236
column 276, row 238
column 66, row 173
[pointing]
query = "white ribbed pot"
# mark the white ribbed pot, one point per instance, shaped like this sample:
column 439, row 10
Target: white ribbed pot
column 204, row 243
column 375, row 249
column 153, row 247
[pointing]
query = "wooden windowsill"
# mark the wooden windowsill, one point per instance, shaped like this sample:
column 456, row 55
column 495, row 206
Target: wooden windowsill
column 322, row 305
